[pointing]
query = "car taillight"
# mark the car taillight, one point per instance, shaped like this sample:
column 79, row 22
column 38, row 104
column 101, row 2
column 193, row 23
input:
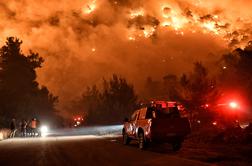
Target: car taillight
column 233, row 105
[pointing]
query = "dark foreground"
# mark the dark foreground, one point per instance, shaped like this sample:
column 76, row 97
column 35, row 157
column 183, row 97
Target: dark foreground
column 108, row 150
column 84, row 150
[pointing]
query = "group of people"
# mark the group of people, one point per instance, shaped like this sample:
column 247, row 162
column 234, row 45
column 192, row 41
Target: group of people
column 25, row 128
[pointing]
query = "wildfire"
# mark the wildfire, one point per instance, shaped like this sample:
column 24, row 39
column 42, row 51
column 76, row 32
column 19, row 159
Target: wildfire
column 178, row 23
column 89, row 7
column 131, row 38
column 149, row 31
column 166, row 24
column 136, row 13
column 172, row 17
column 166, row 11
column 210, row 26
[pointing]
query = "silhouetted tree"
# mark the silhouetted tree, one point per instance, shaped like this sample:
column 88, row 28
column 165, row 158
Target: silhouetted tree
column 170, row 87
column 90, row 102
column 118, row 98
column 115, row 101
column 237, row 71
column 197, row 89
column 152, row 89
column 20, row 94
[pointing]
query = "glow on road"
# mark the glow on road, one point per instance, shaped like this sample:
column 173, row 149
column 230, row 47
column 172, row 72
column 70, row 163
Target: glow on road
column 84, row 133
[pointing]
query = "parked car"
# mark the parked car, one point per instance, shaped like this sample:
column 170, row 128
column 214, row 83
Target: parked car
column 160, row 123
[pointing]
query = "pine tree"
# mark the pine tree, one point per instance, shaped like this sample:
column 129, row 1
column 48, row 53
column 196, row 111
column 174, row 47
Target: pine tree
column 20, row 94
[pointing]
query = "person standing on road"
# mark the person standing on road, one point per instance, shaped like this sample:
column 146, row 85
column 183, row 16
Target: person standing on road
column 38, row 127
column 23, row 128
column 34, row 126
column 13, row 128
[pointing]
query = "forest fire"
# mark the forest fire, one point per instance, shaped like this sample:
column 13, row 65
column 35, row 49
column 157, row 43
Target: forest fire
column 148, row 31
column 166, row 27
column 90, row 7
column 162, row 68
column 210, row 26
column 136, row 13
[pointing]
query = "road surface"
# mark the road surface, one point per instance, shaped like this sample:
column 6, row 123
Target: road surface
column 83, row 150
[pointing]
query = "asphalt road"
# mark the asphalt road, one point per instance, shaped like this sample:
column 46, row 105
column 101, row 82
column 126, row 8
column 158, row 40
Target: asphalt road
column 83, row 150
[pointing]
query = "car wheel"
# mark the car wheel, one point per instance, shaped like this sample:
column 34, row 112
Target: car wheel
column 176, row 146
column 126, row 139
column 141, row 142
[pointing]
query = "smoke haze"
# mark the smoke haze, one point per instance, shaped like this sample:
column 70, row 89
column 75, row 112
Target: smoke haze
column 83, row 41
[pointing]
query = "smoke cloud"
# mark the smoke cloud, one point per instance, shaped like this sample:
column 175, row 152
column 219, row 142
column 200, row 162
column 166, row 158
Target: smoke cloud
column 83, row 41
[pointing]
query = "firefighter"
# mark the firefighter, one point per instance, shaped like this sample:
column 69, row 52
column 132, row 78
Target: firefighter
column 23, row 128
column 33, row 126
column 13, row 128
column 38, row 127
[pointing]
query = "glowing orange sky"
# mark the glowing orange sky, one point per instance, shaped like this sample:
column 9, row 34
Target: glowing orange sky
column 85, row 40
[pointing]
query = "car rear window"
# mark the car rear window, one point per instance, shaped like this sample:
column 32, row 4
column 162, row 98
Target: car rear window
column 159, row 112
column 169, row 112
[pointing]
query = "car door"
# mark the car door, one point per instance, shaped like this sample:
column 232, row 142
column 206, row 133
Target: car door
column 132, row 123
column 142, row 122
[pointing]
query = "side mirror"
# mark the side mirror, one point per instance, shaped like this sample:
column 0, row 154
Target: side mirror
column 126, row 120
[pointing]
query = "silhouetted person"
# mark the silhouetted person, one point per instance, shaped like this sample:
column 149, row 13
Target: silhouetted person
column 23, row 128
column 37, row 127
column 13, row 128
column 33, row 126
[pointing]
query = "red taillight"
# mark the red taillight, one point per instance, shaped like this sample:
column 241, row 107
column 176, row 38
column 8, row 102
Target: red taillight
column 233, row 105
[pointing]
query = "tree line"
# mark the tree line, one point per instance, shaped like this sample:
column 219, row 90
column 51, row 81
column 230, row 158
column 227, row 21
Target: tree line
column 21, row 96
column 232, row 78
column 110, row 104
column 117, row 99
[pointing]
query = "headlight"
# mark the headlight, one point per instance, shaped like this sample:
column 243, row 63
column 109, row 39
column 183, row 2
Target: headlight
column 44, row 130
